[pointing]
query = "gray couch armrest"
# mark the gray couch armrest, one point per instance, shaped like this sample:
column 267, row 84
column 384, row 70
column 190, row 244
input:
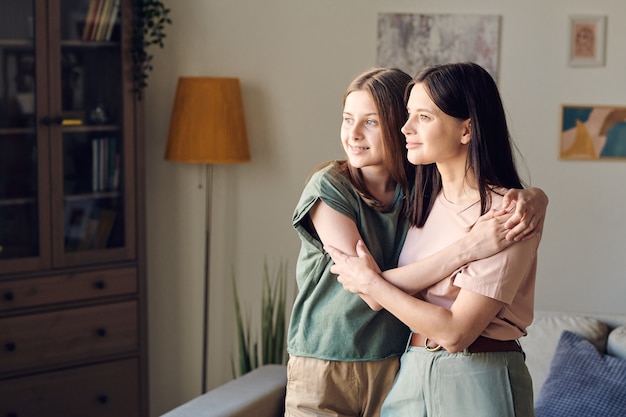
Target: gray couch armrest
column 260, row 393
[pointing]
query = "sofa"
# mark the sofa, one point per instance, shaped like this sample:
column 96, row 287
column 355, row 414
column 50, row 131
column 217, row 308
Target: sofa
column 577, row 362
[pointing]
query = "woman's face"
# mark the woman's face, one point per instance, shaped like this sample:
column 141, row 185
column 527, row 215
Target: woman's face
column 432, row 136
column 361, row 134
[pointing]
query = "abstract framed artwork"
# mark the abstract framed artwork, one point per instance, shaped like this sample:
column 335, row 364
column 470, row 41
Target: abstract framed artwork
column 587, row 40
column 593, row 132
column 412, row 41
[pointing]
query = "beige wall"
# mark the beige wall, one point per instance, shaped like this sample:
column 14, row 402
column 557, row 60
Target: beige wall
column 294, row 58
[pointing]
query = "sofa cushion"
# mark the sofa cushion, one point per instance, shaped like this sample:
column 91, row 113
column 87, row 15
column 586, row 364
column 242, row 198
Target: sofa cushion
column 543, row 336
column 582, row 382
column 616, row 345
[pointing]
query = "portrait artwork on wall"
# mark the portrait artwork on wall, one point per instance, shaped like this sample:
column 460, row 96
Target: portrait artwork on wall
column 593, row 132
column 587, row 41
column 413, row 41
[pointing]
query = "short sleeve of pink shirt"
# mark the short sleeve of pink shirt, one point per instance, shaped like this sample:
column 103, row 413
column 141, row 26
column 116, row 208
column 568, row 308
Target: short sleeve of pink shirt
column 508, row 276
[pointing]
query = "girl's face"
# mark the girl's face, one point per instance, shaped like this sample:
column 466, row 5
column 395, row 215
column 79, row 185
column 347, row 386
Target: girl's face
column 361, row 134
column 432, row 136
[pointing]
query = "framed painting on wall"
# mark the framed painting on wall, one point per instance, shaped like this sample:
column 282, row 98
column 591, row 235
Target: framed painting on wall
column 587, row 40
column 412, row 41
column 593, row 132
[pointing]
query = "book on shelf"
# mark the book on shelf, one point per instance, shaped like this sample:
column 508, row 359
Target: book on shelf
column 112, row 20
column 102, row 15
column 94, row 164
column 106, row 161
column 90, row 231
column 97, row 20
column 105, row 225
column 103, row 157
column 103, row 20
column 90, row 19
column 97, row 231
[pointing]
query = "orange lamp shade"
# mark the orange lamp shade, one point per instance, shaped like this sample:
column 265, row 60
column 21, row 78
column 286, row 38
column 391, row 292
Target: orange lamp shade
column 208, row 124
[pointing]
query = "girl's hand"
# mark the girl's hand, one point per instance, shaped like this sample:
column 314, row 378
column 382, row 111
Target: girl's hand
column 530, row 207
column 488, row 236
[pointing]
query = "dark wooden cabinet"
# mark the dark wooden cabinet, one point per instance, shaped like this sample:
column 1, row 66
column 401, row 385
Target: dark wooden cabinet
column 72, row 246
column 108, row 389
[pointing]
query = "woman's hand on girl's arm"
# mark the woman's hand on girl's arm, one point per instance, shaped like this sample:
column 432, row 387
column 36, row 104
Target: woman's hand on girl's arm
column 530, row 212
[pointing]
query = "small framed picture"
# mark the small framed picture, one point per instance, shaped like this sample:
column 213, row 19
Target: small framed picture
column 587, row 40
column 593, row 132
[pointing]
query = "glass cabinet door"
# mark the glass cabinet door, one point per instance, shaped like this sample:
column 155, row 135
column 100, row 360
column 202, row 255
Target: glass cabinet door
column 88, row 110
column 20, row 153
column 66, row 128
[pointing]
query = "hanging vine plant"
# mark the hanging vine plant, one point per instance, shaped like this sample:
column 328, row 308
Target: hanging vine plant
column 149, row 20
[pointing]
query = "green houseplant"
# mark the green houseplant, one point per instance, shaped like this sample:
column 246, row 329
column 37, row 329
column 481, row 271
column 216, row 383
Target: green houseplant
column 149, row 20
column 273, row 323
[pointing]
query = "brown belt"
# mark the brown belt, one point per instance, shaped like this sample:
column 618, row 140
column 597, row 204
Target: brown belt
column 481, row 344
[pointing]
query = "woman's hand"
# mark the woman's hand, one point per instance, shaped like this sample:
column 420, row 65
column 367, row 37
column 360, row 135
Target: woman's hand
column 355, row 273
column 530, row 207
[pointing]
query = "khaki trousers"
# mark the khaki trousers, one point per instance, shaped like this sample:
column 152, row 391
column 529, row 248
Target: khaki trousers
column 340, row 389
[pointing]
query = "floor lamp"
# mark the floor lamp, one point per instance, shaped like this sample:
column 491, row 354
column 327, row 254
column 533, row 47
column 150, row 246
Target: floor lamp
column 207, row 127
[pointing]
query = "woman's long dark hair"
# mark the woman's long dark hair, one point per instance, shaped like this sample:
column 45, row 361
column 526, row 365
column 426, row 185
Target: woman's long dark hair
column 467, row 91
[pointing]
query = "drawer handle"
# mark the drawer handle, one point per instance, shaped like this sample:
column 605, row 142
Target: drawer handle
column 10, row 346
column 101, row 332
column 103, row 399
column 100, row 285
column 8, row 296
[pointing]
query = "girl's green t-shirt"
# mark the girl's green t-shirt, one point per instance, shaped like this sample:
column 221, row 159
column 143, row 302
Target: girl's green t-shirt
column 328, row 322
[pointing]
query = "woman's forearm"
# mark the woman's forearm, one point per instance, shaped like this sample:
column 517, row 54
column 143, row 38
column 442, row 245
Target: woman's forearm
column 421, row 274
column 487, row 237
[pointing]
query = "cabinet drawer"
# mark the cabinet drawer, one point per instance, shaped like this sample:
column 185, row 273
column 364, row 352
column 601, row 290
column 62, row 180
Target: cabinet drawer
column 37, row 340
column 108, row 390
column 67, row 287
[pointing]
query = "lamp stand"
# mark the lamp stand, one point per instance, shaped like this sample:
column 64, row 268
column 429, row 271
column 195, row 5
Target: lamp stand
column 207, row 255
column 207, row 127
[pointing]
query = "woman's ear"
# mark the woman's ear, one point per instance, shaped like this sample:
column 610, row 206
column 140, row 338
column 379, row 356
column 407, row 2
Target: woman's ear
column 467, row 131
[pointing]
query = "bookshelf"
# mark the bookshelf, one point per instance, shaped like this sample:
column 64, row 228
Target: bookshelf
column 73, row 313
